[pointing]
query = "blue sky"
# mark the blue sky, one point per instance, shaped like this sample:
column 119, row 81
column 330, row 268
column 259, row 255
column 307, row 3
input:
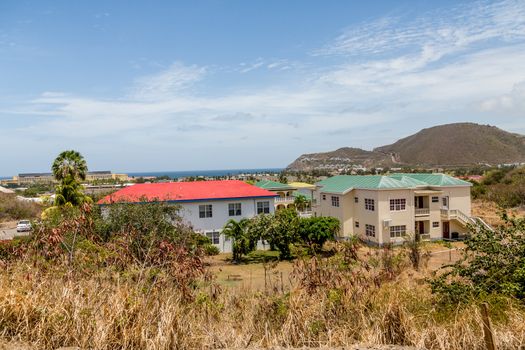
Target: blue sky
column 144, row 86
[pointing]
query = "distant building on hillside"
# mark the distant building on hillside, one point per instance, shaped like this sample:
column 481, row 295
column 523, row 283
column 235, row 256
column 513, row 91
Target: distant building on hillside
column 48, row 178
column 387, row 209
column 205, row 205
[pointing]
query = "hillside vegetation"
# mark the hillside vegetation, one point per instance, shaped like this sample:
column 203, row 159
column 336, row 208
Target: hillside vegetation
column 13, row 209
column 505, row 187
column 450, row 145
column 134, row 281
column 458, row 144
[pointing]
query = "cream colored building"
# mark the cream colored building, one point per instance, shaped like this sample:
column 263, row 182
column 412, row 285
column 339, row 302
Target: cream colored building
column 388, row 209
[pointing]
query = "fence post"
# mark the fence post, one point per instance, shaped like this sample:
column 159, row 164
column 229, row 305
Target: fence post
column 487, row 328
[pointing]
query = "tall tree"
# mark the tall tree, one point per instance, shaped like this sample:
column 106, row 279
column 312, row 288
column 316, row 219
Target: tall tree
column 69, row 164
column 69, row 168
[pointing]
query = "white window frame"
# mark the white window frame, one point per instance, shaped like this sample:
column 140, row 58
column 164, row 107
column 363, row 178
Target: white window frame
column 436, row 199
column 214, row 236
column 398, row 231
column 234, row 209
column 370, row 230
column 370, row 204
column 335, row 201
column 205, row 211
column 398, row 204
column 435, row 224
column 263, row 207
column 357, row 224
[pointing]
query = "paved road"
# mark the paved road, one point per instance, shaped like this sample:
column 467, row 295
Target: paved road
column 9, row 233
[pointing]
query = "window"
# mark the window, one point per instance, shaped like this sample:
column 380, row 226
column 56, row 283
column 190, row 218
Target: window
column 370, row 230
column 357, row 224
column 398, row 231
column 324, row 197
column 356, row 199
column 445, row 202
column 213, row 236
column 263, row 207
column 398, row 204
column 369, row 204
column 205, row 211
column 234, row 209
column 435, row 224
column 335, row 201
column 435, row 199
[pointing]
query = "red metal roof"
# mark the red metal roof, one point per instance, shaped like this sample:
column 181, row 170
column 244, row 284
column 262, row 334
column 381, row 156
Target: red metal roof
column 186, row 191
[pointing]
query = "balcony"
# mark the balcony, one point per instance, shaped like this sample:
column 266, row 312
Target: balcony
column 289, row 199
column 422, row 211
column 424, row 236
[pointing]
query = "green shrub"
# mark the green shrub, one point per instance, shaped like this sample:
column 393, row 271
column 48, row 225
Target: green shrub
column 210, row 249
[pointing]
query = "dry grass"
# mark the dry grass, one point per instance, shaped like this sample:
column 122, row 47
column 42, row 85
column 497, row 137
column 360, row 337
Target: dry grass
column 49, row 309
column 490, row 212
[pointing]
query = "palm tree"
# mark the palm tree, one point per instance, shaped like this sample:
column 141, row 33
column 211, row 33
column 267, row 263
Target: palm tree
column 301, row 203
column 69, row 164
column 69, row 168
column 242, row 243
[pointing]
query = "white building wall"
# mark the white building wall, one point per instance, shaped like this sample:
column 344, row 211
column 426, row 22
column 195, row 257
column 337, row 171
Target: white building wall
column 220, row 215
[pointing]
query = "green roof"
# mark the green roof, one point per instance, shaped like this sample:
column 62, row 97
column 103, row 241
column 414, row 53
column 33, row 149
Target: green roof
column 273, row 185
column 345, row 183
column 436, row 179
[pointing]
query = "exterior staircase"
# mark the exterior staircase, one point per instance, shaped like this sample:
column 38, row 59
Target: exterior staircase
column 462, row 218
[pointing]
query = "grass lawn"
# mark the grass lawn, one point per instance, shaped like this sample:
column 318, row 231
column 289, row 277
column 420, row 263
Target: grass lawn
column 250, row 274
column 262, row 269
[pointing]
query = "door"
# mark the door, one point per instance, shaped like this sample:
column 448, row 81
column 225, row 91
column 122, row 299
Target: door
column 446, row 229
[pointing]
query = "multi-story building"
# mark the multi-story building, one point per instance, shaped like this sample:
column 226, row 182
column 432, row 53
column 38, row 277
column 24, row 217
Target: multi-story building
column 48, row 178
column 205, row 205
column 285, row 193
column 388, row 209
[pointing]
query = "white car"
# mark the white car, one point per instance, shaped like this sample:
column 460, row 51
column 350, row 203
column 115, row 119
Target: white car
column 23, row 226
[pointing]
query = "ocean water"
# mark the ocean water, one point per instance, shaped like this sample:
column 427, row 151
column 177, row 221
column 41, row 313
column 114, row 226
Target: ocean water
column 205, row 173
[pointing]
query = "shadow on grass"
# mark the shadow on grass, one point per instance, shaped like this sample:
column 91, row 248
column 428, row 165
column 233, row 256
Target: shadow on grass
column 257, row 257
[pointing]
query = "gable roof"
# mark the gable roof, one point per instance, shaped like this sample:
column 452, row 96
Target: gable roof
column 345, row 183
column 187, row 191
column 273, row 185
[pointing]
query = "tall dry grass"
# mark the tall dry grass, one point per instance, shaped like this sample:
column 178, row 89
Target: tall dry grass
column 51, row 307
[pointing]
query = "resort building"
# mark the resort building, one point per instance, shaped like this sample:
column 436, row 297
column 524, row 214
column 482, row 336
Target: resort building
column 285, row 193
column 48, row 178
column 388, row 209
column 204, row 205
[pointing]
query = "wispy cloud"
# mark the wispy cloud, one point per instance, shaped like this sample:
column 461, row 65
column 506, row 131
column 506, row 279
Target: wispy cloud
column 168, row 82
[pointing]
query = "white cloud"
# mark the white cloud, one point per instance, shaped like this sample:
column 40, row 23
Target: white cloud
column 168, row 82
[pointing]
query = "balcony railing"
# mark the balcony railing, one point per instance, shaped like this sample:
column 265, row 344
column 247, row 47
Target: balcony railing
column 422, row 211
column 424, row 236
column 284, row 199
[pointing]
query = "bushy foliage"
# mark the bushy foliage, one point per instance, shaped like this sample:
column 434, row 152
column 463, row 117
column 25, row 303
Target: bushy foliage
column 493, row 262
column 505, row 187
column 148, row 231
column 315, row 231
column 283, row 231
